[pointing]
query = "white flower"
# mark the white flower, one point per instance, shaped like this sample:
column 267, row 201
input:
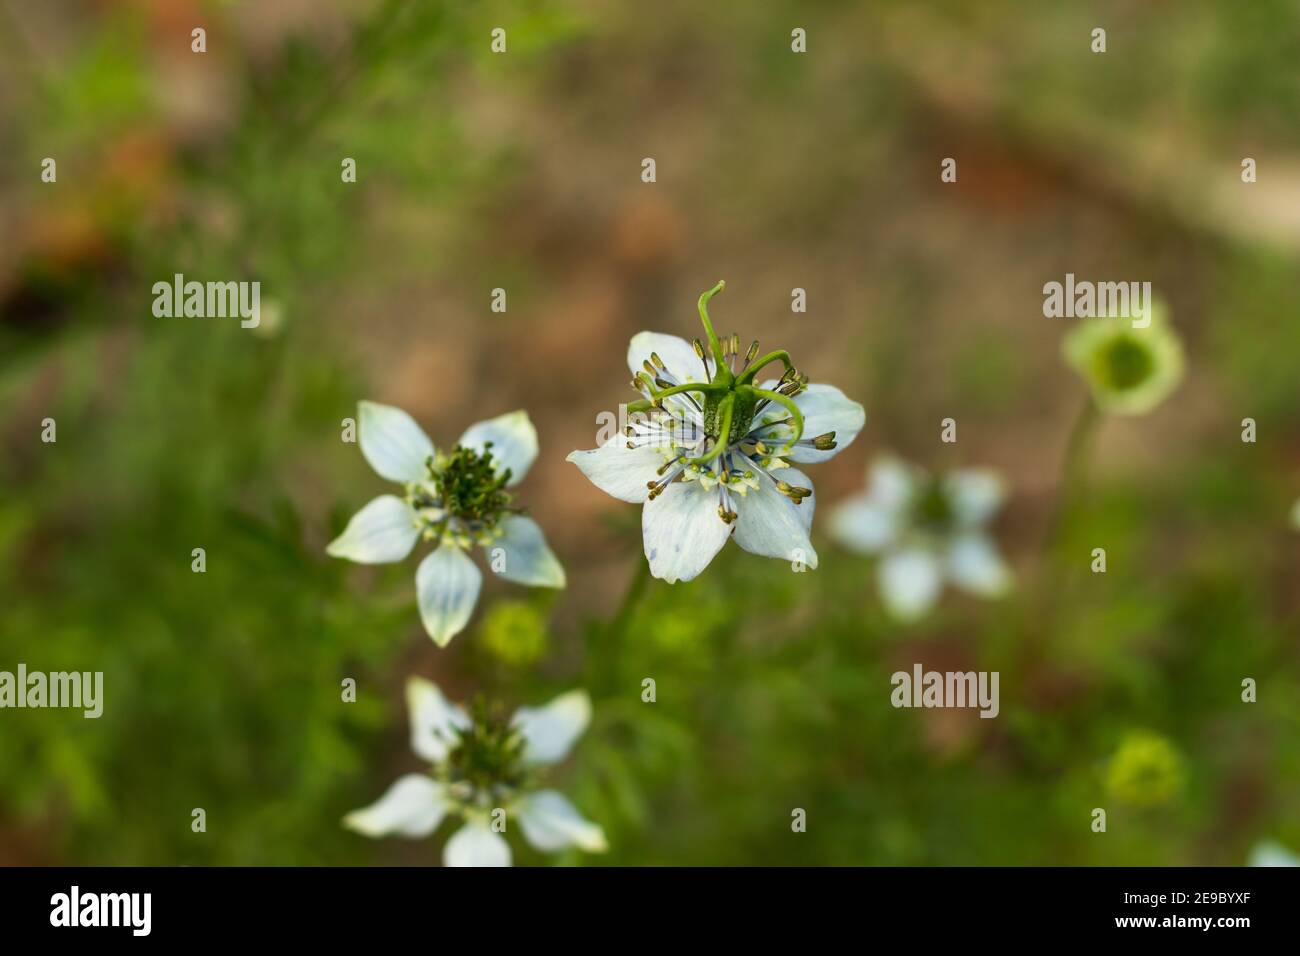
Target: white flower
column 927, row 530
column 485, row 771
column 1295, row 515
column 455, row 500
column 710, row 455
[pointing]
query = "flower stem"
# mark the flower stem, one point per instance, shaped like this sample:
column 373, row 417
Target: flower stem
column 1074, row 469
column 606, row 661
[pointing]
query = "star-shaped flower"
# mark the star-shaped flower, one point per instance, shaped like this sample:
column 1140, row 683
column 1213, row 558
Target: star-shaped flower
column 485, row 770
column 709, row 453
column 455, row 500
column 927, row 530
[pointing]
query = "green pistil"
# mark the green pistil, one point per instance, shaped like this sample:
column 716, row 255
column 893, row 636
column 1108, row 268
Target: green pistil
column 729, row 402
column 488, row 754
column 932, row 510
column 1124, row 363
column 468, row 487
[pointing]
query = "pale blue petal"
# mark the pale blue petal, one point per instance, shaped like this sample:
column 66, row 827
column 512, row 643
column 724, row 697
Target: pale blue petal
column 909, row 583
column 550, row 823
column 447, row 584
column 525, row 557
column 475, row 844
column 411, row 807
column 681, row 531
column 513, row 439
column 382, row 531
column 434, row 719
column 396, row 447
column 550, row 731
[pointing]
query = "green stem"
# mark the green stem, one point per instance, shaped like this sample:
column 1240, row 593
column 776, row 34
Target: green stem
column 1073, row 469
column 606, row 660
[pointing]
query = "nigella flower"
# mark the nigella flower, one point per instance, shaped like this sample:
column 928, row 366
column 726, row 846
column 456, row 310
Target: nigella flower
column 454, row 500
column 1129, row 370
column 927, row 529
column 485, row 770
column 709, row 452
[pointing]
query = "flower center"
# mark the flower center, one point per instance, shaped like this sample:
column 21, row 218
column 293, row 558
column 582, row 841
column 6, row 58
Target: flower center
column 1124, row 364
column 486, row 758
column 744, row 405
column 463, row 494
column 931, row 510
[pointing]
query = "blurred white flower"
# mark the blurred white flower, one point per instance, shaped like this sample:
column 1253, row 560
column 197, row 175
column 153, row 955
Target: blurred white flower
column 1271, row 853
column 455, row 500
column 927, row 530
column 483, row 763
column 709, row 453
column 1295, row 515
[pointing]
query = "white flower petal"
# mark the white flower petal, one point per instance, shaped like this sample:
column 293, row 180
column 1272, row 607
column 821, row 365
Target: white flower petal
column 382, row 531
column 682, row 531
column 550, row 822
column 909, row 583
column 550, row 731
column 526, row 559
column 974, row 494
column 825, row 409
column 396, row 447
column 676, row 353
column 618, row 470
column 411, row 807
column 974, row 564
column 475, row 844
column 861, row 525
column 770, row 524
column 514, row 443
column 1270, row 853
column 447, row 584
column 434, row 719
column 892, row 483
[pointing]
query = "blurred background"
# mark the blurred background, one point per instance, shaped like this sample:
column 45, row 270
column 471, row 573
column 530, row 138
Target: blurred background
column 522, row 171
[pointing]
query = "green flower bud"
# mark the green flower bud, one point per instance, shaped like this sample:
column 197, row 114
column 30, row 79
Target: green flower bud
column 1129, row 370
column 1146, row 770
